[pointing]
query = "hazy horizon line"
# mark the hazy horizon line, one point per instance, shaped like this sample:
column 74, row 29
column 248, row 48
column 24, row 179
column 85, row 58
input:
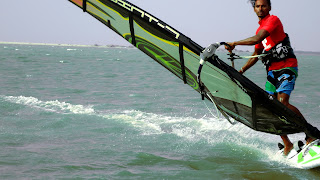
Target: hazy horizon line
column 115, row 45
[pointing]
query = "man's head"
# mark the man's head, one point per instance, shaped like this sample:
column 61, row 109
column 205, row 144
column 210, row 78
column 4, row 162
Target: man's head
column 262, row 8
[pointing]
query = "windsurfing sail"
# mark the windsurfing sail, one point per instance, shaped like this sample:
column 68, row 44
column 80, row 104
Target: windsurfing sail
column 234, row 95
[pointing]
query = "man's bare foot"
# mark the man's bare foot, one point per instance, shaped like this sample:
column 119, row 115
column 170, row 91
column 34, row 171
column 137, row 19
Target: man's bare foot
column 287, row 149
column 309, row 140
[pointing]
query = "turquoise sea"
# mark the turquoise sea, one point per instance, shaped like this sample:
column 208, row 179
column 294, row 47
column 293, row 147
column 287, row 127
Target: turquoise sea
column 70, row 112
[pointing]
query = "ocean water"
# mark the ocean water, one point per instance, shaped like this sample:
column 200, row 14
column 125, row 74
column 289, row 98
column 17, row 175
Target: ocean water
column 114, row 113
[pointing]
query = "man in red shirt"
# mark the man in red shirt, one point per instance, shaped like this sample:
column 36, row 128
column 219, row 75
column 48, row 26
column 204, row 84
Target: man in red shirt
column 282, row 67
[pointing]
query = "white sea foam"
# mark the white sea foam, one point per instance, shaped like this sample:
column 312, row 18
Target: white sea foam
column 213, row 131
column 149, row 123
column 191, row 128
column 53, row 106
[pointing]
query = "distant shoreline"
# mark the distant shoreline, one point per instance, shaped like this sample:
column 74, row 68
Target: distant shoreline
column 307, row 52
column 120, row 46
column 67, row 45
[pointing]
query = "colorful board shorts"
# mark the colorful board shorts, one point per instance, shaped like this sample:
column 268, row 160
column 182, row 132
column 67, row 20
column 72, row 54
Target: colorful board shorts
column 282, row 80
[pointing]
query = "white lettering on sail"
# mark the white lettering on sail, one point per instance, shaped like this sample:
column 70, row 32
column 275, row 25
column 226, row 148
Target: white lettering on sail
column 133, row 8
column 152, row 19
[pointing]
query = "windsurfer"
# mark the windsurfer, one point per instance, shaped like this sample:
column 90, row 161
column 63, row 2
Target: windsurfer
column 281, row 63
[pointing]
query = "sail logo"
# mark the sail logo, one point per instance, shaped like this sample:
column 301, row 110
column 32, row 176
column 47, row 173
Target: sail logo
column 164, row 59
column 143, row 14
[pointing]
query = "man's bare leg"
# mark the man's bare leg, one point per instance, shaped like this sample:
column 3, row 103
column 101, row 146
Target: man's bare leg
column 284, row 99
column 288, row 146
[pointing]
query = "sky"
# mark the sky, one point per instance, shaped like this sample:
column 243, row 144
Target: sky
column 204, row 21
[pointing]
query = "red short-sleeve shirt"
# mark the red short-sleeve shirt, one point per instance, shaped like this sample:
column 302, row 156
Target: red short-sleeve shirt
column 273, row 25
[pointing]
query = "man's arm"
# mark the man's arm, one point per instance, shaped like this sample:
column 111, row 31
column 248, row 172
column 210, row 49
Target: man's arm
column 251, row 61
column 262, row 34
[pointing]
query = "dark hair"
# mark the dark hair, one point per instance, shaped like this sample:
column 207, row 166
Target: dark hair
column 253, row 2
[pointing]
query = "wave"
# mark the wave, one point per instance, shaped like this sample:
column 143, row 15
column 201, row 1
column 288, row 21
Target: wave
column 52, row 106
column 148, row 123
column 210, row 131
